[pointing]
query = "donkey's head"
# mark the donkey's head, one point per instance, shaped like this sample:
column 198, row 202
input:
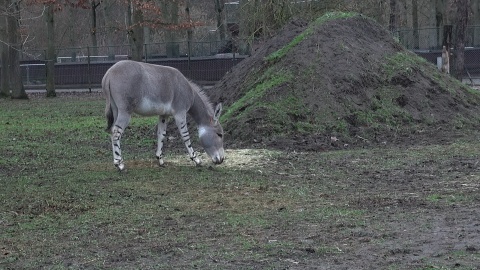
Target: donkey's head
column 211, row 137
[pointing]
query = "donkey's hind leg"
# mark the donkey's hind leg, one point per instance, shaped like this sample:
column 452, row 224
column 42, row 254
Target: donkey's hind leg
column 181, row 121
column 117, row 132
column 161, row 133
column 119, row 127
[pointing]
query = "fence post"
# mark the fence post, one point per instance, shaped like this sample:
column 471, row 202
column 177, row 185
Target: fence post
column 189, row 48
column 89, row 75
column 145, row 53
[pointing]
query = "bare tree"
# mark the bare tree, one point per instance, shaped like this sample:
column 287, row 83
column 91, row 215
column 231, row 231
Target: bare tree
column 14, row 49
column 416, row 37
column 439, row 18
column 189, row 29
column 50, row 55
column 135, row 29
column 5, row 88
column 107, row 23
column 393, row 22
column 93, row 31
column 170, row 20
column 461, row 12
column 476, row 21
column 11, row 46
column 220, row 12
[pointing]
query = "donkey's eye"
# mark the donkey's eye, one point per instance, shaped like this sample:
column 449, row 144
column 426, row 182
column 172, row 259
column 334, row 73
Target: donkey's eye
column 220, row 135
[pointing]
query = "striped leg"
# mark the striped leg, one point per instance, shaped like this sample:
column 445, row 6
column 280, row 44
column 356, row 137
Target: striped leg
column 117, row 132
column 161, row 133
column 121, row 123
column 181, row 122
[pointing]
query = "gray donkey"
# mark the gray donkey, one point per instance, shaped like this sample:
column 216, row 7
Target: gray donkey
column 149, row 90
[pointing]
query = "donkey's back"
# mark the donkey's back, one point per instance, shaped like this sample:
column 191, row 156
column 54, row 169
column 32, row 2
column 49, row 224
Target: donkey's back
column 147, row 89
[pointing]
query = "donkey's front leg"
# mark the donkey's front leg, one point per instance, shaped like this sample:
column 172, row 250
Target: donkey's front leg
column 117, row 132
column 181, row 122
column 161, row 133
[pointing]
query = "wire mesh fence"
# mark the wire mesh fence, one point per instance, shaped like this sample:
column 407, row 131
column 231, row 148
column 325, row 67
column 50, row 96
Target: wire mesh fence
column 85, row 66
column 428, row 43
column 432, row 38
column 209, row 61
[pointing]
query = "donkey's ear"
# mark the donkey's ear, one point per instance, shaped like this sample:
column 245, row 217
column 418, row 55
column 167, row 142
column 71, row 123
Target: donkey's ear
column 217, row 112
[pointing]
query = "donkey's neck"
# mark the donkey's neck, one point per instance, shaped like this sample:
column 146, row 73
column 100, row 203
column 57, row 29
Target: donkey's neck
column 201, row 110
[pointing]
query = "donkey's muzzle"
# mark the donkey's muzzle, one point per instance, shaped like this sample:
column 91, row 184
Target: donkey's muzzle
column 218, row 160
column 219, row 156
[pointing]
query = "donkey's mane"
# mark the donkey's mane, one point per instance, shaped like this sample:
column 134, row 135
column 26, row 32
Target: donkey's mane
column 202, row 95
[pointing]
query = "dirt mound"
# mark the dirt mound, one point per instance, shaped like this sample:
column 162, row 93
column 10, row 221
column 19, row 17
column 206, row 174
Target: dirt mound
column 340, row 80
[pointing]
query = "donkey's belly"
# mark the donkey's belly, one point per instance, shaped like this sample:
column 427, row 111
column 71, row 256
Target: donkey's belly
column 148, row 107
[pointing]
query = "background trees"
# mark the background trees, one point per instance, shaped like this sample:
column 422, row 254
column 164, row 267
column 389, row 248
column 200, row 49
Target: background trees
column 43, row 24
column 50, row 52
column 101, row 23
column 460, row 14
column 11, row 85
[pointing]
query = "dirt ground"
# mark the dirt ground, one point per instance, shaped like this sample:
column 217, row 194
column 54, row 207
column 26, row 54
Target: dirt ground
column 339, row 72
column 414, row 233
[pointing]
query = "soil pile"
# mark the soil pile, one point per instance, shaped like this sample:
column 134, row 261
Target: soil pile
column 340, row 80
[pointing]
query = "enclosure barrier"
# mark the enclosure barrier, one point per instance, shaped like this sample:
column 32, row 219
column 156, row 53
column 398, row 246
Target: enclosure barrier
column 84, row 67
column 207, row 61
column 89, row 75
column 428, row 43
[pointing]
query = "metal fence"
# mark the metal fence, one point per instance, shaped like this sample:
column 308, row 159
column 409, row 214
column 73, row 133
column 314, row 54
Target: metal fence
column 432, row 38
column 85, row 66
column 151, row 51
column 208, row 61
column 428, row 42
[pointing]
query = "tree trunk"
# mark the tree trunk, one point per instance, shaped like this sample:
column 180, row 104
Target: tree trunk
column 393, row 22
column 393, row 13
column 135, row 30
column 220, row 11
column 439, row 19
column 461, row 9
column 171, row 18
column 50, row 55
column 416, row 38
column 189, row 36
column 5, row 83
column 190, row 29
column 476, row 21
column 14, row 74
column 105, row 21
column 93, row 31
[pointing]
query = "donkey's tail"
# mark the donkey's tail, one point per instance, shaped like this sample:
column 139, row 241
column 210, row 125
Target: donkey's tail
column 109, row 116
column 108, row 106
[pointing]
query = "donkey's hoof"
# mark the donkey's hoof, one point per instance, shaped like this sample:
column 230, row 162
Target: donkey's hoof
column 198, row 162
column 161, row 163
column 160, row 160
column 120, row 166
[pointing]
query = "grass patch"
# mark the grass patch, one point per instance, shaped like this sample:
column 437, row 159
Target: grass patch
column 63, row 205
column 275, row 56
column 449, row 198
column 402, row 63
column 267, row 81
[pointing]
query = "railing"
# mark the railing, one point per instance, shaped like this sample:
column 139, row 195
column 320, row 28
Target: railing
column 85, row 66
column 90, row 74
column 432, row 38
column 183, row 49
column 206, row 61
column 428, row 42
